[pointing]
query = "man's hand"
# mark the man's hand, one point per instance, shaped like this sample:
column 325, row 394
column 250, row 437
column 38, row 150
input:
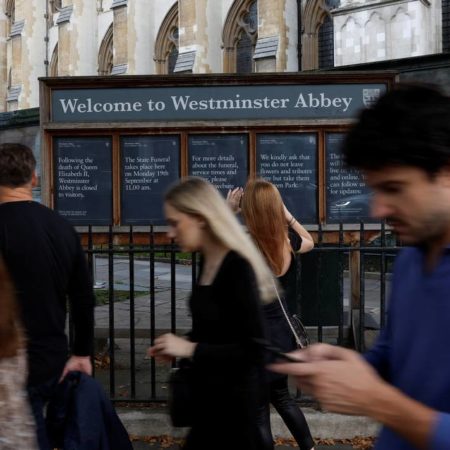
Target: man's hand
column 340, row 379
column 343, row 382
column 77, row 363
column 171, row 346
column 234, row 199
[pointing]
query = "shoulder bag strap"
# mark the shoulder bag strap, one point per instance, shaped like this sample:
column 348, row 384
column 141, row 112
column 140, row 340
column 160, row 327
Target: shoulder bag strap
column 297, row 339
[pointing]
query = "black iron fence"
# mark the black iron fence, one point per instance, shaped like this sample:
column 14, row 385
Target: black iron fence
column 142, row 290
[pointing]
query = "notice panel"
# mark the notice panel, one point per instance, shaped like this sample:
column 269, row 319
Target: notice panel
column 348, row 197
column 149, row 164
column 220, row 158
column 289, row 161
column 83, row 179
column 219, row 102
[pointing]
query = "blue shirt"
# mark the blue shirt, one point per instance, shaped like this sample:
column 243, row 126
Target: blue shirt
column 413, row 350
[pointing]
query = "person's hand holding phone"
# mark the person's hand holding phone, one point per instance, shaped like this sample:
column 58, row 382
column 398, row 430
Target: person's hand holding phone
column 339, row 378
column 274, row 353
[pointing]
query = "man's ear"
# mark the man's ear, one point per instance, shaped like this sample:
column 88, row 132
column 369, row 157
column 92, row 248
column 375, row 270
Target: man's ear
column 34, row 179
column 445, row 175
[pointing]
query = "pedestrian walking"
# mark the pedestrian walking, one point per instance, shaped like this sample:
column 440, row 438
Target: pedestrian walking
column 279, row 237
column 48, row 268
column 402, row 145
column 226, row 318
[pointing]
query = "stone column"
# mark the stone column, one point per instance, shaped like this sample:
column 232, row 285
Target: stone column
column 77, row 25
column 277, row 21
column 84, row 37
column 200, row 32
column 33, row 50
column 3, row 59
column 120, row 37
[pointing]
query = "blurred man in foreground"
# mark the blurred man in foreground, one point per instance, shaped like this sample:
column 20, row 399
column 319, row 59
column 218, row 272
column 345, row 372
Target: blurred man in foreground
column 402, row 145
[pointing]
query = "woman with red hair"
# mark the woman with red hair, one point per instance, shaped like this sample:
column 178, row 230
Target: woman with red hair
column 279, row 236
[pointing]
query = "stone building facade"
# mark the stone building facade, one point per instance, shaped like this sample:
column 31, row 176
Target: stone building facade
column 113, row 37
column 367, row 31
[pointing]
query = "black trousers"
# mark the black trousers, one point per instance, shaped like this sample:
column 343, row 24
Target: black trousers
column 278, row 395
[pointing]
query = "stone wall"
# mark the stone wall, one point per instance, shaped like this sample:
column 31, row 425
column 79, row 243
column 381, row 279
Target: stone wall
column 380, row 30
column 71, row 38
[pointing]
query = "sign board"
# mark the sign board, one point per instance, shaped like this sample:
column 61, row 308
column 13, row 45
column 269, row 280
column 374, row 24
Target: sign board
column 220, row 158
column 348, row 197
column 224, row 102
column 149, row 164
column 289, row 161
column 136, row 135
column 83, row 179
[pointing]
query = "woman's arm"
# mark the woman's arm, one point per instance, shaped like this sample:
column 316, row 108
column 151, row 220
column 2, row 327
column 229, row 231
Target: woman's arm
column 307, row 240
column 170, row 346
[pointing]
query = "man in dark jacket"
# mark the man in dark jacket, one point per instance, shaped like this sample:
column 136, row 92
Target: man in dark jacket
column 44, row 257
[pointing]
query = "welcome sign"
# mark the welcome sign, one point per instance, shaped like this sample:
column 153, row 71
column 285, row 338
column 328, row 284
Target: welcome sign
column 233, row 102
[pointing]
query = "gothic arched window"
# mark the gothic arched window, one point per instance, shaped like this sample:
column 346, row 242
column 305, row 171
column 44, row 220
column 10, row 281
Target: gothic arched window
column 166, row 45
column 326, row 43
column 105, row 55
column 54, row 62
column 239, row 36
column 317, row 34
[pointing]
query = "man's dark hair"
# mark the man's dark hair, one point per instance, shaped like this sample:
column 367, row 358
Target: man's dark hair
column 17, row 164
column 408, row 126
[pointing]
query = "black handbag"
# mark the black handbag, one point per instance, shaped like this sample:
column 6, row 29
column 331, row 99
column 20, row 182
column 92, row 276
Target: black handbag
column 181, row 396
column 302, row 338
column 295, row 324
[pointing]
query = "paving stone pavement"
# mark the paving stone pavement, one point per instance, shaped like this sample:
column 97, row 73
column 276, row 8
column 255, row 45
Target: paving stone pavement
column 145, row 446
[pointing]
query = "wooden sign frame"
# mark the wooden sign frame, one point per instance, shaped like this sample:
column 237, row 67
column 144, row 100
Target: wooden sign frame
column 115, row 129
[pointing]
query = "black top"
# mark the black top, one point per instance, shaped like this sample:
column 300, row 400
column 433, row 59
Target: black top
column 46, row 262
column 226, row 316
column 279, row 331
column 288, row 281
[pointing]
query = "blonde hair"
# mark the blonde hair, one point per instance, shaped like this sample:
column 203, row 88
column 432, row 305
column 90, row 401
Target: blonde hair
column 263, row 213
column 196, row 197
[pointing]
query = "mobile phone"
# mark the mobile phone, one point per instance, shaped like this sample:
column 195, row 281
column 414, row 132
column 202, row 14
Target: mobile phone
column 275, row 353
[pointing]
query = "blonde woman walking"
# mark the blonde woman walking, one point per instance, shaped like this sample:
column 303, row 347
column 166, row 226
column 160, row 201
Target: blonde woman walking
column 226, row 318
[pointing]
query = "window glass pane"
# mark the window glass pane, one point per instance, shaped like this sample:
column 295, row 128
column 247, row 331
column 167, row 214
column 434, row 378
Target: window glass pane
column 326, row 44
